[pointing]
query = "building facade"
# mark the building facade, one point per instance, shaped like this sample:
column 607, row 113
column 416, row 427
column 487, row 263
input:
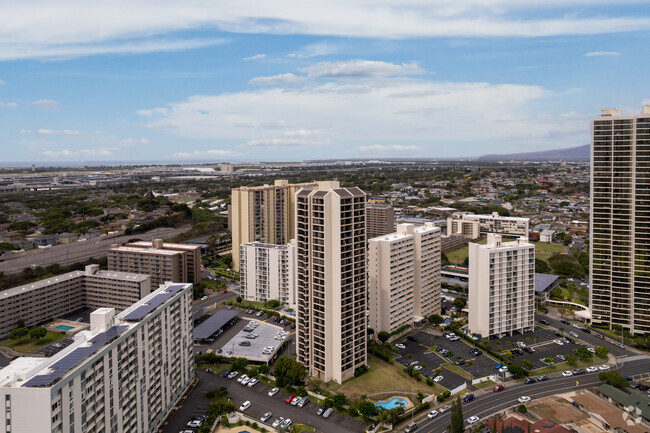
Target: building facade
column 268, row 272
column 380, row 219
column 164, row 262
column 473, row 226
column 403, row 276
column 264, row 214
column 332, row 289
column 619, row 268
column 124, row 375
column 501, row 286
column 56, row 296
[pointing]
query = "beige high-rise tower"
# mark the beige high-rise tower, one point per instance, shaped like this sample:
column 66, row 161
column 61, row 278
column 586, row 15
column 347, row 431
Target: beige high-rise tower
column 331, row 290
column 619, row 266
column 263, row 214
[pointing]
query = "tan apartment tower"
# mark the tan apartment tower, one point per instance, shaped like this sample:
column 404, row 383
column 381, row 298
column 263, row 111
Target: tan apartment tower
column 619, row 265
column 501, row 286
column 331, row 287
column 263, row 214
column 380, row 219
column 404, row 276
column 178, row 263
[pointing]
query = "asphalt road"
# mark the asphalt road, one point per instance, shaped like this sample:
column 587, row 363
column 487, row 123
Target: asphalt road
column 490, row 403
column 77, row 251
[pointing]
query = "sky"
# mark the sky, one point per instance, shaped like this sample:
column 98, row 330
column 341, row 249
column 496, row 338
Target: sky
column 243, row 80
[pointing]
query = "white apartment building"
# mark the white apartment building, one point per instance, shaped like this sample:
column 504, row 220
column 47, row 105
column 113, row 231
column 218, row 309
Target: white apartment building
column 473, row 226
column 268, row 271
column 56, row 296
column 619, row 268
column 332, row 288
column 404, row 276
column 264, row 214
column 501, row 286
column 124, row 375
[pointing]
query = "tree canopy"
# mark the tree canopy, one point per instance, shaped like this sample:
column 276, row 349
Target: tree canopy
column 288, row 372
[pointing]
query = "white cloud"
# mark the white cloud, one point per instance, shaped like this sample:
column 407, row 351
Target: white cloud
column 378, row 148
column 439, row 117
column 314, row 50
column 255, row 57
column 53, row 132
column 360, row 69
column 601, row 53
column 98, row 153
column 273, row 80
column 8, row 104
column 2, row 83
column 45, row 104
column 210, row 153
column 127, row 142
column 42, row 28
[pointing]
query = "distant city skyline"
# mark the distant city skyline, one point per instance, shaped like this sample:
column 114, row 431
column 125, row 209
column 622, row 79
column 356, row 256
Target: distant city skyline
column 203, row 81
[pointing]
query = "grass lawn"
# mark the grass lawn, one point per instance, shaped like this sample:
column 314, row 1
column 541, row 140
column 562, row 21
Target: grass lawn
column 246, row 304
column 27, row 345
column 383, row 377
column 561, row 366
column 486, row 384
column 544, row 251
column 456, row 369
column 297, row 428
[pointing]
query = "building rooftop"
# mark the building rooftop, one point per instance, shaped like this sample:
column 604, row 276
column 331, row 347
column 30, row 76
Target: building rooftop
column 148, row 250
column 148, row 244
column 544, row 281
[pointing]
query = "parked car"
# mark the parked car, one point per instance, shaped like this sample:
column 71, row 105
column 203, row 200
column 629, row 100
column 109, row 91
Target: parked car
column 245, row 405
column 328, row 412
column 291, row 397
column 277, row 422
column 195, row 421
column 273, row 391
column 303, row 401
column 321, row 410
column 266, row 416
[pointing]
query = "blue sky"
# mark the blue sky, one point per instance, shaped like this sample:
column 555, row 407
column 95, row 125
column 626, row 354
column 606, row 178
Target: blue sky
column 206, row 81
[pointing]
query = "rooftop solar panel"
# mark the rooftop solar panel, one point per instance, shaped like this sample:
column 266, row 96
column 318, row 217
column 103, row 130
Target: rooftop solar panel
column 73, row 358
column 543, row 281
column 213, row 323
column 154, row 302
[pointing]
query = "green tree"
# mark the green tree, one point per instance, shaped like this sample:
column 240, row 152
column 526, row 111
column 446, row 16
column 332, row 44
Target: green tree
column 601, row 352
column 460, row 303
column 18, row 333
column 368, row 410
column 339, row 401
column 383, row 336
column 457, row 423
column 613, row 378
column 263, row 369
column 522, row 408
column 37, row 333
column 528, row 365
column 272, row 303
column 541, row 266
column 288, row 372
column 239, row 364
column 549, row 360
column 436, row 319
column 572, row 360
column 517, row 371
column 584, row 354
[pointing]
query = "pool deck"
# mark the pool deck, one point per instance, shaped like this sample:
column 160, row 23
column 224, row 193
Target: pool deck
column 409, row 403
column 74, row 326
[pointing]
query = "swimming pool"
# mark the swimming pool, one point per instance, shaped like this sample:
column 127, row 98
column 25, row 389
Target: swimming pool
column 392, row 403
column 64, row 328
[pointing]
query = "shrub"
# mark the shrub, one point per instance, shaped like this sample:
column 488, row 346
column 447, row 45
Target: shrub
column 522, row 408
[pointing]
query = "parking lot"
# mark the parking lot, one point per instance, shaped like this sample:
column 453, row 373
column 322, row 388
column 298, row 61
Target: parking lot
column 551, row 350
column 197, row 404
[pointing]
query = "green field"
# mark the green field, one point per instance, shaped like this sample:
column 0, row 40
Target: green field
column 542, row 251
column 28, row 345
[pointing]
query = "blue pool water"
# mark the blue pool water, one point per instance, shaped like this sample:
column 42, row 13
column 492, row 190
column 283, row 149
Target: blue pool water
column 64, row 327
column 392, row 403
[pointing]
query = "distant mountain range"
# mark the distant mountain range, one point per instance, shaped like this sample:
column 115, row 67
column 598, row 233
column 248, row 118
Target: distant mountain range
column 580, row 153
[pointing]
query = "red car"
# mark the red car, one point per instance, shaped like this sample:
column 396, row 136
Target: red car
column 225, row 291
column 288, row 399
column 498, row 388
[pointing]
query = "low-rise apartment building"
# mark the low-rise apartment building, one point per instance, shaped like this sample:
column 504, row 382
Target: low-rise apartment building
column 501, row 286
column 56, row 296
column 179, row 263
column 474, row 226
column 124, row 375
column 268, row 272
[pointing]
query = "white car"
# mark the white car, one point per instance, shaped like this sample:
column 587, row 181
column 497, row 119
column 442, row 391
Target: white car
column 561, row 357
column 273, row 391
column 591, row 349
column 287, row 422
column 253, row 382
column 523, row 399
column 560, row 342
column 277, row 422
column 503, row 369
column 567, row 373
column 245, row 381
column 592, row 369
column 417, row 367
column 400, row 346
column 437, row 379
column 245, row 405
column 242, row 378
column 603, row 367
column 295, row 401
column 204, row 298
column 472, row 419
column 432, row 414
column 266, row 416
